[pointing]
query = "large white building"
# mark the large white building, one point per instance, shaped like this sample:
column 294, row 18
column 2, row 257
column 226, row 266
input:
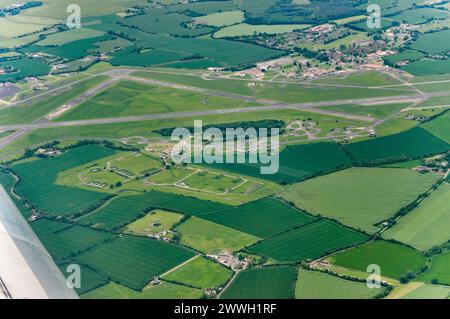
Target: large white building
column 26, row 268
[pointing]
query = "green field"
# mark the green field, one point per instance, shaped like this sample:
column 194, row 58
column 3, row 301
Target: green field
column 412, row 144
column 427, row 225
column 262, row 218
column 308, row 242
column 440, row 126
column 263, row 283
column 438, row 270
column 134, row 261
column 209, row 237
column 137, row 163
column 221, row 19
column 89, row 280
column 37, row 179
column 154, row 222
column 427, row 67
column 74, row 240
column 297, row 162
column 23, row 68
column 318, row 285
column 433, row 42
column 376, row 111
column 201, row 273
column 44, row 227
column 61, row 38
column 163, row 291
column 245, row 29
column 429, row 292
column 360, row 197
column 128, row 98
column 125, row 209
column 394, row 260
column 420, row 15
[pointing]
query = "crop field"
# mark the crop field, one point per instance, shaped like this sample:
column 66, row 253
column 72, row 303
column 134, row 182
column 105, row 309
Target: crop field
column 69, row 36
column 432, row 42
column 37, row 181
column 245, row 29
column 427, row 67
column 419, row 16
column 201, row 273
column 308, row 242
column 89, row 280
column 128, row 98
column 209, row 237
column 263, row 283
column 70, row 242
column 262, row 218
column 412, row 144
column 318, row 285
column 394, row 260
column 438, row 270
column 24, row 67
column 427, row 225
column 153, row 223
column 134, row 261
column 165, row 290
column 440, row 127
column 298, row 162
column 360, row 197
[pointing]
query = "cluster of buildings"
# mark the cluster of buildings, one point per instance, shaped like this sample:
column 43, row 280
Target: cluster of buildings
column 47, row 152
column 227, row 258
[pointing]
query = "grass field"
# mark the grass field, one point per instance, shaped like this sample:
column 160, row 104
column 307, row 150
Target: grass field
column 262, row 218
column 89, row 280
column 134, row 261
column 427, row 67
column 308, row 242
column 318, row 285
column 209, row 237
column 427, row 225
column 74, row 240
column 432, row 42
column 125, row 209
column 440, row 127
column 364, row 79
column 137, row 163
column 297, row 162
column 221, row 19
column 412, row 144
column 128, row 98
column 154, row 222
column 429, row 292
column 245, row 29
column 438, row 270
column 376, row 111
column 44, row 227
column 201, row 273
column 37, row 181
column 394, row 260
column 263, row 283
column 360, row 197
column 61, row 38
column 163, row 291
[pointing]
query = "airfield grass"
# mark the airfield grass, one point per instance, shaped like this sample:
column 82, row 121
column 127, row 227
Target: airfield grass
column 263, row 283
column 213, row 182
column 364, row 79
column 40, row 107
column 438, row 270
column 153, row 223
column 308, row 242
column 165, row 290
column 429, row 292
column 128, row 98
column 74, row 240
column 136, row 163
column 170, row 176
column 427, row 225
column 122, row 210
column 395, row 126
column 134, row 261
column 89, row 280
column 262, row 218
column 201, row 273
column 411, row 144
column 360, row 197
column 37, row 181
column 440, row 127
column 394, row 259
column 318, row 285
column 209, row 237
column 297, row 162
column 376, row 111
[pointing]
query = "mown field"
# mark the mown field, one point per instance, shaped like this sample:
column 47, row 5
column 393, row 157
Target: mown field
column 360, row 197
column 37, row 179
column 412, row 144
column 438, row 270
column 440, row 127
column 297, row 162
column 201, row 273
column 308, row 242
column 134, row 261
column 211, row 238
column 394, row 260
column 245, row 29
column 427, row 225
column 263, row 283
column 153, row 223
column 262, row 218
column 318, row 285
column 122, row 210
column 429, row 292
